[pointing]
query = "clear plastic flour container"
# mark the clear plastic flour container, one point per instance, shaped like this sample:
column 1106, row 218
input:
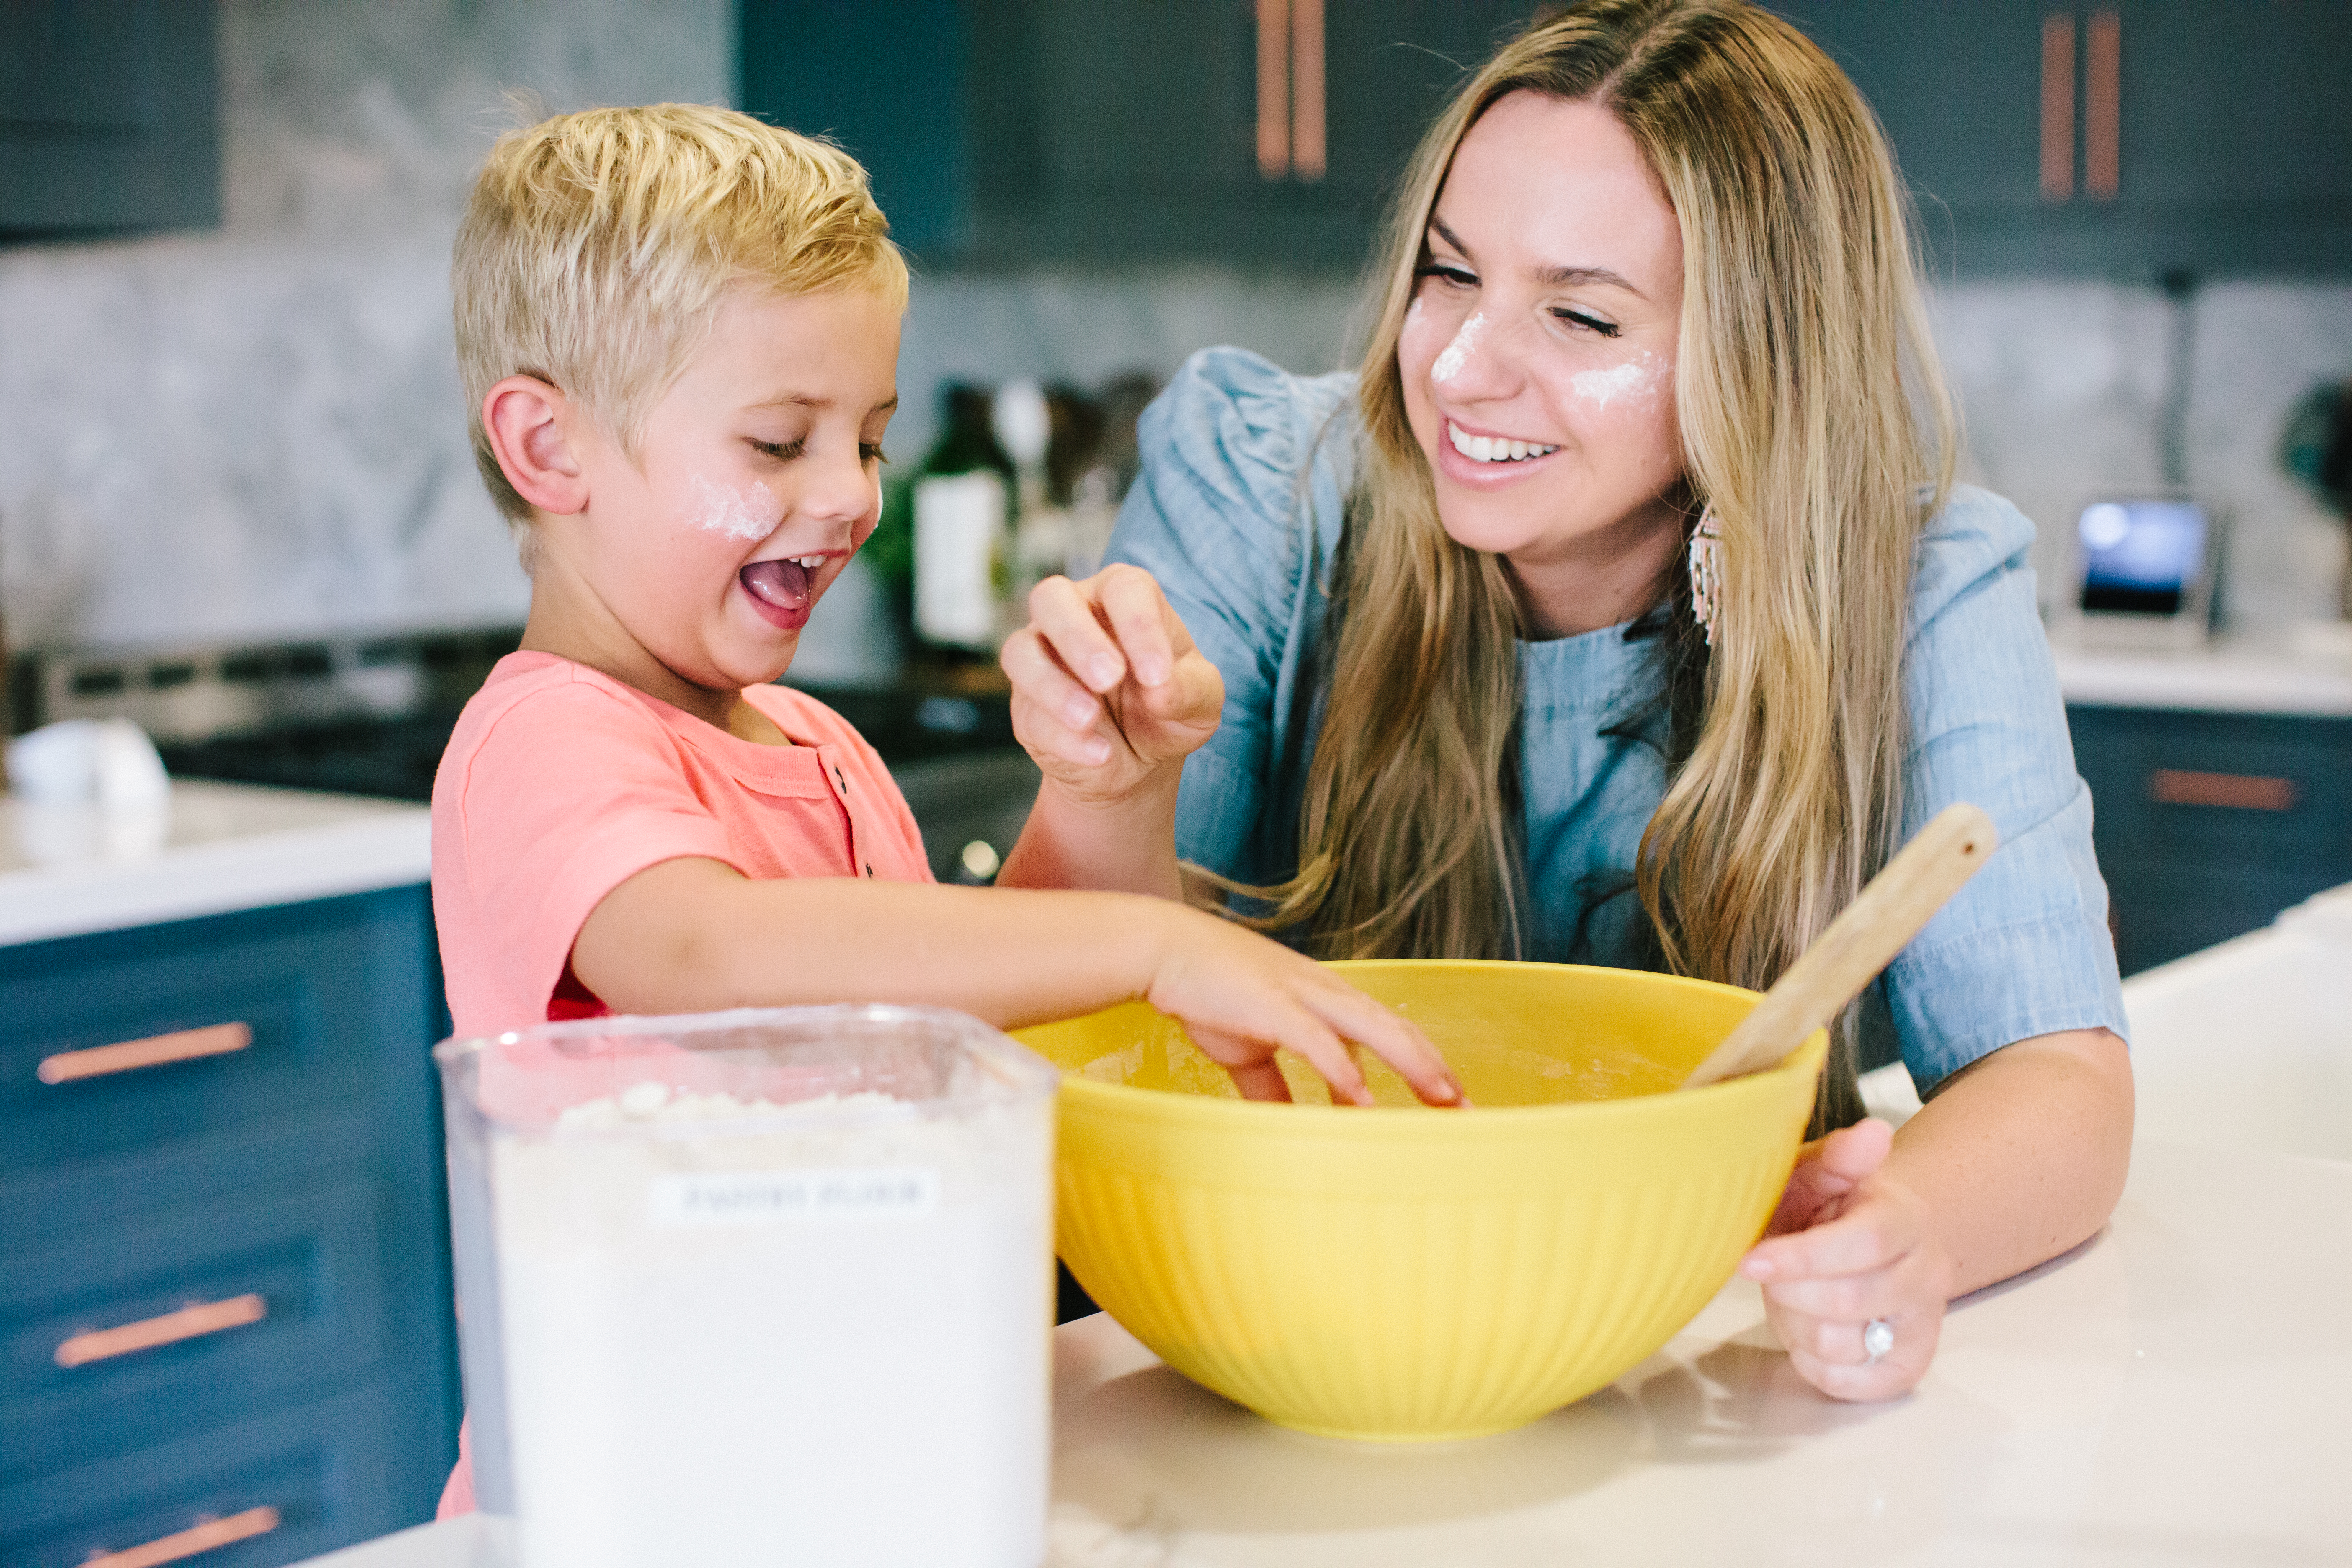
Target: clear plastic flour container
column 763, row 1287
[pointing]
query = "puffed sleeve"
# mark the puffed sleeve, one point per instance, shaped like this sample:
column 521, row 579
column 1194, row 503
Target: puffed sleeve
column 1236, row 510
column 2024, row 948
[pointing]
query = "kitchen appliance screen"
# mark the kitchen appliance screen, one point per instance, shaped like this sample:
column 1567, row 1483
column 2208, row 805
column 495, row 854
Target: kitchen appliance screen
column 2141, row 555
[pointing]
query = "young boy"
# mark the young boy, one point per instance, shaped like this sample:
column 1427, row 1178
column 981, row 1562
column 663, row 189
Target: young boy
column 678, row 332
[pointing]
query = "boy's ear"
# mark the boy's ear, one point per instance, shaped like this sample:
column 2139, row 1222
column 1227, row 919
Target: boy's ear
column 529, row 425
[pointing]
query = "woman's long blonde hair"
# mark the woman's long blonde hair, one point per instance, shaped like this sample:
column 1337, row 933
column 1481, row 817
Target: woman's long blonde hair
column 1812, row 412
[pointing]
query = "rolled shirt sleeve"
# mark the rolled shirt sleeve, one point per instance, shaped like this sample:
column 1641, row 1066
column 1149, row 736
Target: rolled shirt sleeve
column 2024, row 948
column 1236, row 512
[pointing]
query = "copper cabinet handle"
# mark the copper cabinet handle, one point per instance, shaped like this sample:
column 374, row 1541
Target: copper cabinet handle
column 1306, row 150
column 2103, row 105
column 2058, row 107
column 2240, row 792
column 155, row 1050
column 187, row 1543
column 1273, row 89
column 187, row 1323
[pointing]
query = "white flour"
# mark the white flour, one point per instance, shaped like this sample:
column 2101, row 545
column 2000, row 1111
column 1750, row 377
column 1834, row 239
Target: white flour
column 749, row 513
column 1636, row 377
column 1457, row 354
column 744, row 1333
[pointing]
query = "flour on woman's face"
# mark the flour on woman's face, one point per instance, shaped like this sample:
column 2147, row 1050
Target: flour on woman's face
column 749, row 514
column 1456, row 355
column 1638, row 378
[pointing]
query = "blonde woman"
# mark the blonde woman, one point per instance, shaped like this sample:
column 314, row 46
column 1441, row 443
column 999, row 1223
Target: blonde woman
column 1621, row 609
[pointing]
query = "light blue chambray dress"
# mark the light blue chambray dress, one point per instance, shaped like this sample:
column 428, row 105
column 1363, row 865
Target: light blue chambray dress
column 1244, row 550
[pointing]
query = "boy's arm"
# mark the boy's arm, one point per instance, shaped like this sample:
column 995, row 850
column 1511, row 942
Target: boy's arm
column 694, row 935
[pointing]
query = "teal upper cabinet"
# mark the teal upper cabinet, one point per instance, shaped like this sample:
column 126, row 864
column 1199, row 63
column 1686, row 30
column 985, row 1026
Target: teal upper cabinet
column 2127, row 140
column 1004, row 133
column 107, row 117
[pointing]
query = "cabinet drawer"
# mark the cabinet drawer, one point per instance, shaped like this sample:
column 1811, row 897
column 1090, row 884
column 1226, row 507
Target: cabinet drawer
column 296, row 1483
column 2224, row 786
column 236, row 1019
column 132, row 1332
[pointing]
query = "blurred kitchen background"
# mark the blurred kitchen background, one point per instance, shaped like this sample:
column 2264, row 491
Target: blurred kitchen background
column 236, row 503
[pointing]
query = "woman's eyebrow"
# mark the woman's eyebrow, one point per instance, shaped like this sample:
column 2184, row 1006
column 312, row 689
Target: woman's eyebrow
column 1549, row 277
column 1573, row 277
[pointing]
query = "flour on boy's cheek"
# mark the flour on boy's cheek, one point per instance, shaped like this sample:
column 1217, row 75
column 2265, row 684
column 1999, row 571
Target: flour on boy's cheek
column 749, row 514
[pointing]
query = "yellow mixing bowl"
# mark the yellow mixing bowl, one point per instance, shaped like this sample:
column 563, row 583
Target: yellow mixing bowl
column 1404, row 1274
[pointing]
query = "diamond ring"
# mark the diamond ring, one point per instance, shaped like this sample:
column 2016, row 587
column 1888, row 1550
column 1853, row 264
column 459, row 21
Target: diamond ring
column 1877, row 1339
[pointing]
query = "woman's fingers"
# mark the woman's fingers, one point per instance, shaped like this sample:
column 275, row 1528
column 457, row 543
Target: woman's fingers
column 1138, row 616
column 1039, row 678
column 1827, row 1169
column 1872, row 1225
column 1062, row 613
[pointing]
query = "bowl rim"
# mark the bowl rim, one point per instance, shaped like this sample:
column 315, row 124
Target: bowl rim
column 1808, row 1059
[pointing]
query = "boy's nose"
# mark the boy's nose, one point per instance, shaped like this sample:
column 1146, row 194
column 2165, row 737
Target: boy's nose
column 842, row 492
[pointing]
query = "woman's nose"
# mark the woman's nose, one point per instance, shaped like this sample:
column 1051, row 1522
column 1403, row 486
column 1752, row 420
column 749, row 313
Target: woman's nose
column 1483, row 361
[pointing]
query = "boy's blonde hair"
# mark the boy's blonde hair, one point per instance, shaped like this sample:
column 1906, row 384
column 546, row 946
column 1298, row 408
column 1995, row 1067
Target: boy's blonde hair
column 597, row 244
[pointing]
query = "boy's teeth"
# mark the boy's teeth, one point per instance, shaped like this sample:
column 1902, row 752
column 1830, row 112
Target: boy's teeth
column 1493, row 448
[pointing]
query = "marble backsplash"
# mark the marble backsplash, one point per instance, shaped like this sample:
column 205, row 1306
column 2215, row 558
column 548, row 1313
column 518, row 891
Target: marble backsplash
column 258, row 432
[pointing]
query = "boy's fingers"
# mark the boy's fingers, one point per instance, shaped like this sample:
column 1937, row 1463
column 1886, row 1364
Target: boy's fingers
column 1297, row 1030
column 1138, row 614
column 1395, row 1041
column 1063, row 617
column 1256, row 1075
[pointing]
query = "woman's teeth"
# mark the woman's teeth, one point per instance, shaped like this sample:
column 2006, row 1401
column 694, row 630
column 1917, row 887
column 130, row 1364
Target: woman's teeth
column 1493, row 449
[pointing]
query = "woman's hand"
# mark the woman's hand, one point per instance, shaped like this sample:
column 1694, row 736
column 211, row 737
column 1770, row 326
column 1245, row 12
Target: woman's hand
column 1107, row 689
column 1849, row 1244
column 1241, row 997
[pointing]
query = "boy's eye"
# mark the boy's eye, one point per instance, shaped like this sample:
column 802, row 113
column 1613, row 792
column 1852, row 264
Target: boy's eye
column 1588, row 323
column 783, row 451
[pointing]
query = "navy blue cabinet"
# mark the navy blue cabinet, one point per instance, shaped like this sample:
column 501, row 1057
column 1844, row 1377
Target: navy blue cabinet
column 2209, row 825
column 1018, row 132
column 2118, row 137
column 224, row 1294
column 108, row 116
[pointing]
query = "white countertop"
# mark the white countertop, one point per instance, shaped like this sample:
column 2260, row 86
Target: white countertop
column 2308, row 672
column 2177, row 1390
column 212, row 848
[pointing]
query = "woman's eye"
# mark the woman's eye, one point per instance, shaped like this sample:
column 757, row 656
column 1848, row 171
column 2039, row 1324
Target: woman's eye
column 1588, row 323
column 871, row 452
column 782, row 452
column 1455, row 276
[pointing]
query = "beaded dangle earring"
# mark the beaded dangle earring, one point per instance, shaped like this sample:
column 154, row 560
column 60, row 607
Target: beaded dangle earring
column 1706, row 573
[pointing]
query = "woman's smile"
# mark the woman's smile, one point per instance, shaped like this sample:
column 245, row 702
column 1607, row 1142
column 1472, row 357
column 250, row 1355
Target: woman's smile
column 1471, row 455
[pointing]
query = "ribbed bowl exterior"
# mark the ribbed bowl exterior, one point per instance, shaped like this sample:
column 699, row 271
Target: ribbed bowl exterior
column 1402, row 1274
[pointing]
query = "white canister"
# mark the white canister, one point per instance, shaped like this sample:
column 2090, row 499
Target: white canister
column 769, row 1286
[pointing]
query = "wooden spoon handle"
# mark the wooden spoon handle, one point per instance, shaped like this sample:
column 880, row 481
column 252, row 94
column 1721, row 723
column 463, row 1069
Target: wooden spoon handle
column 1864, row 939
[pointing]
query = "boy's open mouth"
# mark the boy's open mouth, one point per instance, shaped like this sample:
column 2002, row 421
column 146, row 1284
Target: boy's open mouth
column 780, row 589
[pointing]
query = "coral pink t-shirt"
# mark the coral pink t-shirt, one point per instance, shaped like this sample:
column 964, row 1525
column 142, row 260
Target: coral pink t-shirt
column 560, row 783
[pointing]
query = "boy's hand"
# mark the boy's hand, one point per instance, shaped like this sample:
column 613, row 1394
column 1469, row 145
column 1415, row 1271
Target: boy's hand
column 1242, row 996
column 1107, row 689
column 1848, row 1247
